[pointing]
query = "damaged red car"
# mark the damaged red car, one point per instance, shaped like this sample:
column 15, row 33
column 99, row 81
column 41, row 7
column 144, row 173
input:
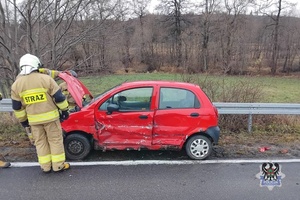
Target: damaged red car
column 141, row 115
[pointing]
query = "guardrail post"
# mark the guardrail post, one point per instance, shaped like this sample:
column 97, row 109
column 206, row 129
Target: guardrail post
column 250, row 123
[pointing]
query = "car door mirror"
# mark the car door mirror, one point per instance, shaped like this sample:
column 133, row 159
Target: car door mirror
column 112, row 107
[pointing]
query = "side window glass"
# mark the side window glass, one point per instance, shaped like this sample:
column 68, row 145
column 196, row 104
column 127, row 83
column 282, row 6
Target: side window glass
column 177, row 98
column 106, row 103
column 131, row 100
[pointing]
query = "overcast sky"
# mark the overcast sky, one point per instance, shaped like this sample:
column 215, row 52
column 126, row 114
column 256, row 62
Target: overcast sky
column 155, row 3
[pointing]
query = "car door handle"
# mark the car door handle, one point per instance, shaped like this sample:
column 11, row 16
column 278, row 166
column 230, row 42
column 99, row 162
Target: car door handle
column 143, row 117
column 194, row 114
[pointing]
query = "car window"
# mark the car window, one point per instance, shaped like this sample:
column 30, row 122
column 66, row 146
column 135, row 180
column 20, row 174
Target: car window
column 177, row 98
column 131, row 100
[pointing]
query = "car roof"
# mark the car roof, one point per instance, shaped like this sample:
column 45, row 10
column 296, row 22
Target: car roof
column 160, row 83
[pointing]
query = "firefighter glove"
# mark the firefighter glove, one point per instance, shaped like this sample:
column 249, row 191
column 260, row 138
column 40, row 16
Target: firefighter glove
column 25, row 124
column 64, row 115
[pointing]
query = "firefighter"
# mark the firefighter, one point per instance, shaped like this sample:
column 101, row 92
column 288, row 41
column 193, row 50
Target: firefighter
column 63, row 86
column 3, row 164
column 38, row 102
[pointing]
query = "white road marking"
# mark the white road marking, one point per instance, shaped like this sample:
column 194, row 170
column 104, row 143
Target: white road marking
column 162, row 162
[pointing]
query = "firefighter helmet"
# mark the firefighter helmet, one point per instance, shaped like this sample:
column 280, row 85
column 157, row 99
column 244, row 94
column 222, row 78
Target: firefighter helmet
column 29, row 63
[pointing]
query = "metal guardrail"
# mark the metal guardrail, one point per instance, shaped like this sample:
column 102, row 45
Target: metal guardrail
column 6, row 105
column 226, row 109
column 257, row 109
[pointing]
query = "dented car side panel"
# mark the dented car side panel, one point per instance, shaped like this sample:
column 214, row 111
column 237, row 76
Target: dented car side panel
column 82, row 121
column 125, row 128
column 173, row 127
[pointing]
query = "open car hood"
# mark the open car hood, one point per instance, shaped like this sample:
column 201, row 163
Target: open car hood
column 76, row 88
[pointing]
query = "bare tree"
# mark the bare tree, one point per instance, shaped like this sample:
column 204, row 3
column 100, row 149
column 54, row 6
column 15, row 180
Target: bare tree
column 140, row 10
column 93, row 53
column 174, row 20
column 52, row 19
column 232, row 21
column 209, row 10
column 122, row 15
column 276, row 7
column 289, row 44
column 275, row 39
column 8, row 46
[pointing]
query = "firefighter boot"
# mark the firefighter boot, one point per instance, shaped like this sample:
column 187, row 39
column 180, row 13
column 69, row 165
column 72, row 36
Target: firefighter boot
column 46, row 171
column 65, row 167
column 4, row 164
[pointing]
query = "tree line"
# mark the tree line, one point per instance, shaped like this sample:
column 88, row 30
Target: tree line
column 107, row 36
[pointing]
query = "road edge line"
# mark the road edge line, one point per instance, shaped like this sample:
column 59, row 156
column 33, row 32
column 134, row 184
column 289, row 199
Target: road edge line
column 161, row 162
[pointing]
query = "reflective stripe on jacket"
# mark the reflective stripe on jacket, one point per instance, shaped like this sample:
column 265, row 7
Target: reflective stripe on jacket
column 53, row 73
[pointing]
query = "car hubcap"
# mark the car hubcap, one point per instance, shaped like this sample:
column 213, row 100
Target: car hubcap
column 199, row 148
column 75, row 147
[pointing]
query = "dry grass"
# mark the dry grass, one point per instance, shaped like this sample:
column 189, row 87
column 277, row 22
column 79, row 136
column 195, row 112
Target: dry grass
column 259, row 138
column 10, row 128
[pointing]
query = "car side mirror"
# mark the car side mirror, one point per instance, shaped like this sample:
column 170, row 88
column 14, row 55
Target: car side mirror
column 112, row 107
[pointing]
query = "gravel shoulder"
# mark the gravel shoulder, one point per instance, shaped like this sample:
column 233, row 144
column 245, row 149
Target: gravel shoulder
column 230, row 147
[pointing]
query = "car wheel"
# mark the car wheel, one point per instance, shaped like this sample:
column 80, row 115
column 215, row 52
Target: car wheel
column 198, row 147
column 77, row 146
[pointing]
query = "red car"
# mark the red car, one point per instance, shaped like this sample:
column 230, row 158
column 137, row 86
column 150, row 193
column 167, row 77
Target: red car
column 151, row 115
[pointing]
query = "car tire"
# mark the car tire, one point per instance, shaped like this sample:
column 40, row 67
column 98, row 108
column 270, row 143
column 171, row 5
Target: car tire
column 198, row 147
column 77, row 146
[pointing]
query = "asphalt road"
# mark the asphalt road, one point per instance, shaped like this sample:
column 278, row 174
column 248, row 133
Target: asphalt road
column 155, row 181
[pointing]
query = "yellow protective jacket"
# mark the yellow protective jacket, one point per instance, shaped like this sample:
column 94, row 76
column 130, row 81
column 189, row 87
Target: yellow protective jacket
column 64, row 88
column 37, row 98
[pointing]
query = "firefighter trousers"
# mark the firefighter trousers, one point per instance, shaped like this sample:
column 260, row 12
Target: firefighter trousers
column 49, row 145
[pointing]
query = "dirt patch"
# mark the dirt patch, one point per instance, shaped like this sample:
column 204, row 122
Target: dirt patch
column 259, row 146
column 18, row 151
column 230, row 147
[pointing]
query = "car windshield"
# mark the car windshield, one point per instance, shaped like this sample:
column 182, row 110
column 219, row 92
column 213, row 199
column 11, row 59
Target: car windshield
column 100, row 95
